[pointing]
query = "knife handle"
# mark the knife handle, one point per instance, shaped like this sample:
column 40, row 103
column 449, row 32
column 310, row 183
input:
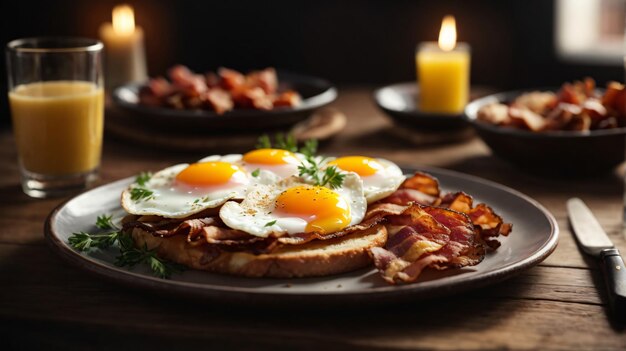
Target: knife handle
column 615, row 278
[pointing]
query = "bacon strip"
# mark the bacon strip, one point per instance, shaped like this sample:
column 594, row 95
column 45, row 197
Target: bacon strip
column 426, row 236
column 170, row 227
column 485, row 220
column 212, row 231
column 421, row 189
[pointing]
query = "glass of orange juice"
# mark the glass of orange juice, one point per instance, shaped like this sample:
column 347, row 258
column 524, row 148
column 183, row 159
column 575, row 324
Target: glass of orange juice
column 57, row 108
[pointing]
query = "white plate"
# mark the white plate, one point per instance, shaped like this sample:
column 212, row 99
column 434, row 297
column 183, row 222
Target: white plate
column 534, row 237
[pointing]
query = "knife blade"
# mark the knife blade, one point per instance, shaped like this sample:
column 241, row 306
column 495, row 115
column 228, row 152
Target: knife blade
column 589, row 232
column 594, row 241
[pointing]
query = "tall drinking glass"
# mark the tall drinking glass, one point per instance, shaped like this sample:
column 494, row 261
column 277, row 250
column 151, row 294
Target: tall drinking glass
column 57, row 107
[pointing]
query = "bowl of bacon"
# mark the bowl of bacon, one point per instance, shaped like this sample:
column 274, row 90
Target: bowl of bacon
column 572, row 131
column 224, row 100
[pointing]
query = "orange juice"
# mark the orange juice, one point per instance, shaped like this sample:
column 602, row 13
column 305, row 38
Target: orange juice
column 58, row 126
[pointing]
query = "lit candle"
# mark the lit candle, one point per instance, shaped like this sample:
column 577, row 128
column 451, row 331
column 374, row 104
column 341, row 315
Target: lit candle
column 125, row 58
column 443, row 72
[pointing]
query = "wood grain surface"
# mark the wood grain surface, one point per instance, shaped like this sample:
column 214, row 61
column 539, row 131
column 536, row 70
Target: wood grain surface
column 557, row 305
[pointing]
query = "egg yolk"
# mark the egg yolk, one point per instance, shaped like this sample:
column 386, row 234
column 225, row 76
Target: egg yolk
column 361, row 165
column 270, row 157
column 329, row 211
column 208, row 173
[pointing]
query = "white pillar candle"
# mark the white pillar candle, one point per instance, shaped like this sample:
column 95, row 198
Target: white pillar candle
column 125, row 58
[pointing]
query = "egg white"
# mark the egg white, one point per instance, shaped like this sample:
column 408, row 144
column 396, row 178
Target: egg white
column 256, row 213
column 281, row 170
column 382, row 183
column 172, row 200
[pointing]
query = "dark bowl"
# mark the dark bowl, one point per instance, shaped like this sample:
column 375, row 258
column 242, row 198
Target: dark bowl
column 562, row 153
column 399, row 101
column 315, row 93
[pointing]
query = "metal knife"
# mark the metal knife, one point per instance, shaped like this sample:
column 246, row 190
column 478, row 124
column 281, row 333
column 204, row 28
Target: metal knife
column 594, row 241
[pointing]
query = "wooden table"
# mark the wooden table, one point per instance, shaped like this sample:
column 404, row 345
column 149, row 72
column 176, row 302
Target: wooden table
column 557, row 305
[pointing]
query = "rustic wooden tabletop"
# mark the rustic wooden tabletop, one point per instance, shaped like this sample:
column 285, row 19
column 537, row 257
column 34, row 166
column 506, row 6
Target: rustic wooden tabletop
column 560, row 304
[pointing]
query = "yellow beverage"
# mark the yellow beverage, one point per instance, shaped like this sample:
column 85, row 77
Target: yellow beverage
column 58, row 126
column 443, row 80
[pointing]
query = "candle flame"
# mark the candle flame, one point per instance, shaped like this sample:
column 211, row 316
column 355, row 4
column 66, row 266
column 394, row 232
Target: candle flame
column 123, row 19
column 447, row 35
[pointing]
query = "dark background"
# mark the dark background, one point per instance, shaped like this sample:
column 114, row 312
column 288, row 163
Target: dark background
column 348, row 42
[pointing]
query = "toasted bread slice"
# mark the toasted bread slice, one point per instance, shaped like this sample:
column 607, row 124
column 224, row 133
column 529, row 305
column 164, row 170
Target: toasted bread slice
column 315, row 258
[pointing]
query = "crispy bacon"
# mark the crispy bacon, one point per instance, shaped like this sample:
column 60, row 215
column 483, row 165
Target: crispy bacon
column 423, row 182
column 404, row 196
column 288, row 98
column 156, row 89
column 575, row 107
column 219, row 92
column 427, row 236
column 218, row 100
column 231, row 79
column 526, row 119
column 252, row 98
column 265, row 79
column 615, row 99
column 488, row 224
column 212, row 231
column 421, row 188
column 170, row 227
column 460, row 202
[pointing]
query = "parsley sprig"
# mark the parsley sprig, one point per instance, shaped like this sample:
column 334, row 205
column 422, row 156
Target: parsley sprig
column 329, row 176
column 138, row 193
column 142, row 178
column 287, row 142
column 138, row 190
column 312, row 166
column 83, row 241
column 130, row 255
column 106, row 222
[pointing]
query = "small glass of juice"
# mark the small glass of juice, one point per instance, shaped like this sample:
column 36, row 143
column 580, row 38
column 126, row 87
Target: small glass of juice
column 57, row 108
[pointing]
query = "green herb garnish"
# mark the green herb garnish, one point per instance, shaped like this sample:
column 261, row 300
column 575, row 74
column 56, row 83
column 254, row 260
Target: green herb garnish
column 329, row 176
column 129, row 255
column 310, row 148
column 256, row 172
column 142, row 178
column 332, row 177
column 137, row 194
column 311, row 167
column 269, row 224
column 264, row 142
column 105, row 222
column 82, row 241
column 288, row 142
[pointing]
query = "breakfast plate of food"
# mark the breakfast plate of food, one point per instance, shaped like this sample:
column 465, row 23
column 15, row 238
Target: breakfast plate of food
column 225, row 99
column 282, row 224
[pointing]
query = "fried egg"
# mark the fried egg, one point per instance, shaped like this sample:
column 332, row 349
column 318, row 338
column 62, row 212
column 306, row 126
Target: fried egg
column 292, row 206
column 380, row 177
column 182, row 190
column 280, row 162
